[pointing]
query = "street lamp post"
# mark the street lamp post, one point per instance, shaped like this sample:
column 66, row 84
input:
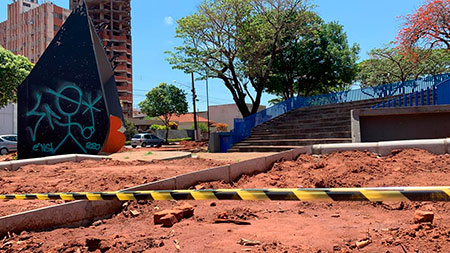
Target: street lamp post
column 195, row 112
column 207, row 103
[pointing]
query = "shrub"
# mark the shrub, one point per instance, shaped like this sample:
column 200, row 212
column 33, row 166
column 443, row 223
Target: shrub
column 221, row 127
column 202, row 126
column 155, row 127
column 180, row 139
column 173, row 125
column 130, row 130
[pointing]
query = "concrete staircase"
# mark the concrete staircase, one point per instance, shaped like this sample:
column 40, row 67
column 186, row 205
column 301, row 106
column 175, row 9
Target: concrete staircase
column 304, row 126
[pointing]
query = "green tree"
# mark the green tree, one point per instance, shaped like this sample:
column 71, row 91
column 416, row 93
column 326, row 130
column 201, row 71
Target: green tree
column 317, row 62
column 13, row 70
column 202, row 126
column 164, row 101
column 391, row 64
column 237, row 41
column 130, row 129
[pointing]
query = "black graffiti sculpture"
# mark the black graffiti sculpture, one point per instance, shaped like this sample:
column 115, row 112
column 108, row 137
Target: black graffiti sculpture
column 67, row 103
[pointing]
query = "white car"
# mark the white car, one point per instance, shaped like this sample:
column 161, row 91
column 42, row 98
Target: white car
column 145, row 140
column 8, row 143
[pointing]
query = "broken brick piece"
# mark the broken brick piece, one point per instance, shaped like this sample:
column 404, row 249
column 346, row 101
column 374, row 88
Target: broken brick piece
column 178, row 213
column 168, row 220
column 158, row 215
column 188, row 210
column 423, row 216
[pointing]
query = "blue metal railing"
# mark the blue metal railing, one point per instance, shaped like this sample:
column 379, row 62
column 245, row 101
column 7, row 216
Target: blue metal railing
column 440, row 84
column 418, row 98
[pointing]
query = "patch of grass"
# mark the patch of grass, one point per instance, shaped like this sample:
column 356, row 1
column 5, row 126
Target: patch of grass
column 127, row 142
column 181, row 139
column 126, row 157
column 148, row 153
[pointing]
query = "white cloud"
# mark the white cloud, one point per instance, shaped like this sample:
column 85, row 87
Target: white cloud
column 168, row 20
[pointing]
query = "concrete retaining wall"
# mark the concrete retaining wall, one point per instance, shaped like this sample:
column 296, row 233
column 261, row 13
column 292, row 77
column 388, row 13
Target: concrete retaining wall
column 436, row 146
column 15, row 165
column 84, row 212
column 406, row 123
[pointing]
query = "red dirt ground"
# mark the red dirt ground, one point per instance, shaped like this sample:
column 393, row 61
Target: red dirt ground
column 194, row 144
column 89, row 175
column 279, row 226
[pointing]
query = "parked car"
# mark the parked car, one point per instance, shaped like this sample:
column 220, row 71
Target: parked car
column 8, row 143
column 145, row 140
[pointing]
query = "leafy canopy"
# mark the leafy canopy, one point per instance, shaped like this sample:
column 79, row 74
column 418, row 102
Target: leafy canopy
column 13, row 70
column 428, row 27
column 164, row 101
column 390, row 65
column 237, row 41
column 317, row 62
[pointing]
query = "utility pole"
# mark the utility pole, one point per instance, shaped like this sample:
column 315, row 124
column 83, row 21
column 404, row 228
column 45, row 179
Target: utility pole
column 194, row 97
column 207, row 103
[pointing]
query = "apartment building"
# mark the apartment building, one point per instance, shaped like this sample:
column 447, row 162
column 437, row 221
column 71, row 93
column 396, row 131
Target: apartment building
column 30, row 27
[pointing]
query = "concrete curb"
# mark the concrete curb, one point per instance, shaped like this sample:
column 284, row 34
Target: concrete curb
column 436, row 146
column 15, row 165
column 84, row 212
column 176, row 157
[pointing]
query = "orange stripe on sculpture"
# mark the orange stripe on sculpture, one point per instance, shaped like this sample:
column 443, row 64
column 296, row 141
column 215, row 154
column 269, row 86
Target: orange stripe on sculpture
column 116, row 138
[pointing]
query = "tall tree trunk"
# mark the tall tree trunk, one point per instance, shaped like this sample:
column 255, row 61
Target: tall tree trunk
column 238, row 97
column 242, row 106
column 167, row 134
column 255, row 105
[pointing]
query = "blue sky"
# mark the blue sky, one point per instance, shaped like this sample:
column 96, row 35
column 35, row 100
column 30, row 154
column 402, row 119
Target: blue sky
column 369, row 23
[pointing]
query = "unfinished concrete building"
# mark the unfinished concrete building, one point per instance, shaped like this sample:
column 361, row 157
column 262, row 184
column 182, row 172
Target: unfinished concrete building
column 113, row 18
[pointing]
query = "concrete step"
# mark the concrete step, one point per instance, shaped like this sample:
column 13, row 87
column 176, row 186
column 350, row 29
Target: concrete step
column 326, row 118
column 304, row 124
column 362, row 103
column 302, row 113
column 337, row 109
column 333, row 107
column 301, row 135
column 262, row 148
column 304, row 128
column 317, row 115
column 291, row 142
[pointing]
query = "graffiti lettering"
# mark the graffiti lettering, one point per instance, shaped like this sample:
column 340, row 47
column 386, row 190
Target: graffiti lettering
column 70, row 101
column 93, row 146
column 44, row 148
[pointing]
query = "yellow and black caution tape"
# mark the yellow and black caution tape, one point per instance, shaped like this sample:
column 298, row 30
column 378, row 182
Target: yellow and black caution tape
column 441, row 193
